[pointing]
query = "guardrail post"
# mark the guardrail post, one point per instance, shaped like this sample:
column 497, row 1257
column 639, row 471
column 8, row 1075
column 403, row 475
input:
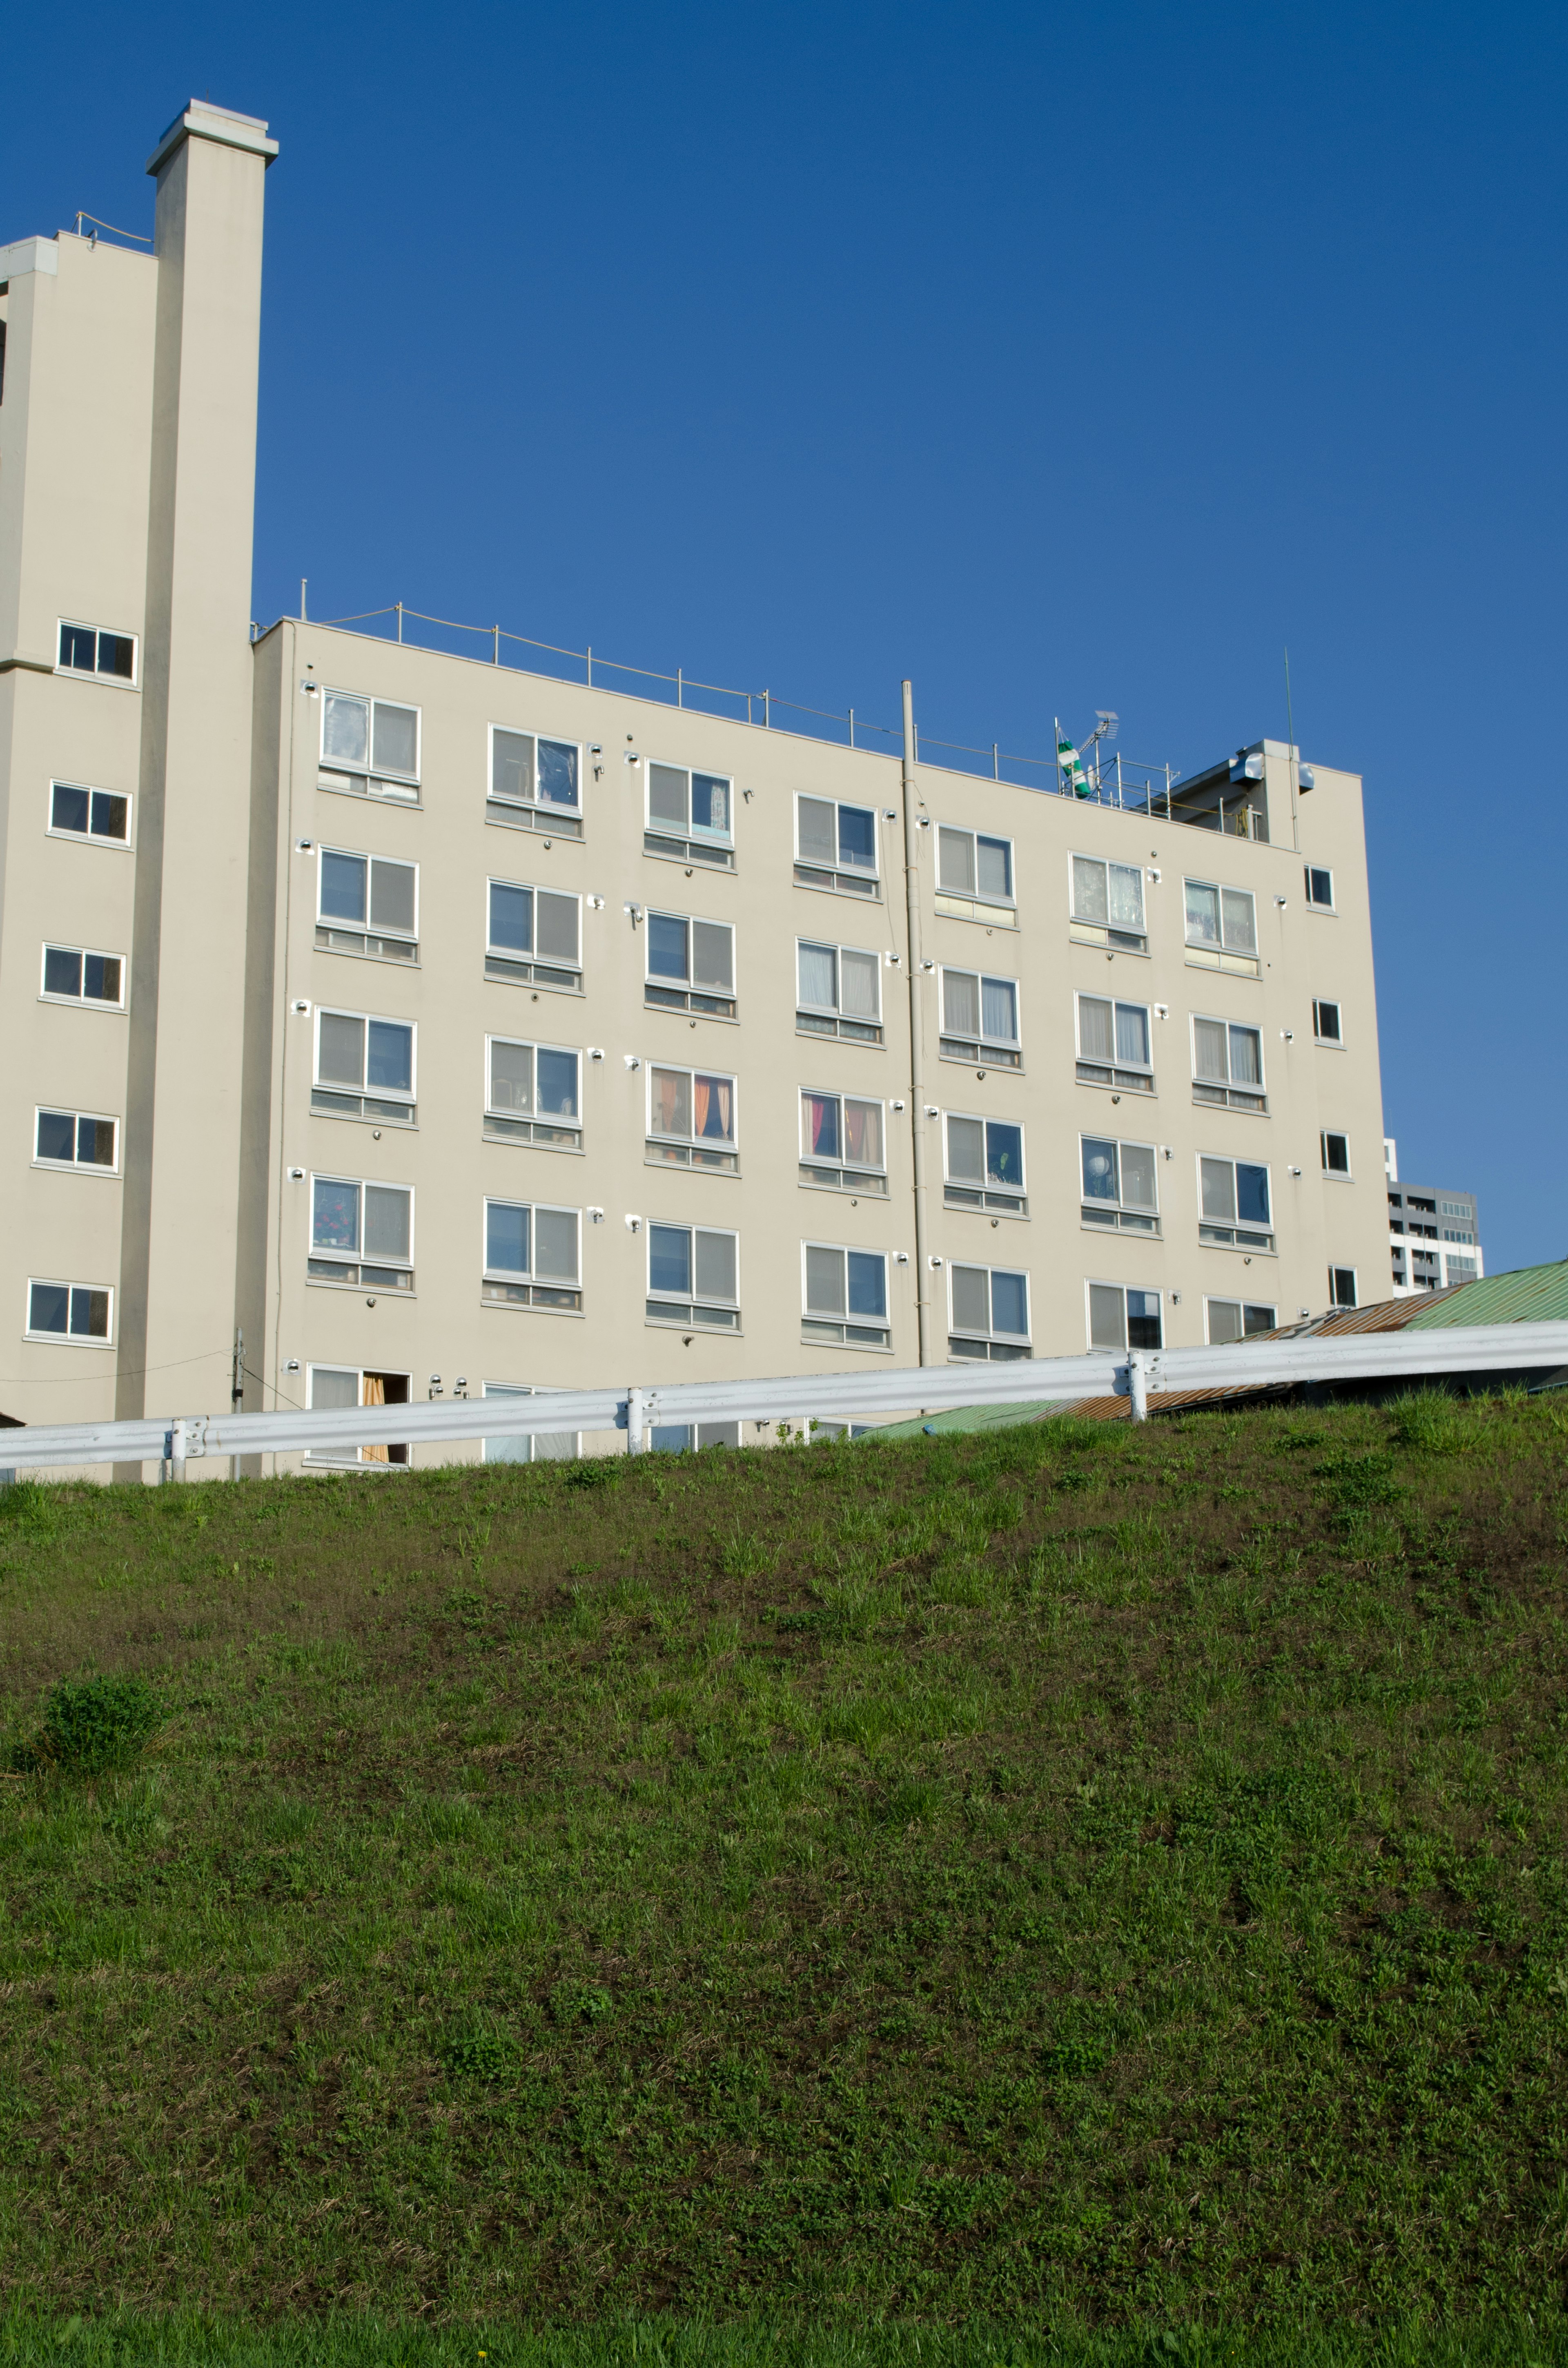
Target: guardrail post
column 1138, row 1384
column 634, row 1423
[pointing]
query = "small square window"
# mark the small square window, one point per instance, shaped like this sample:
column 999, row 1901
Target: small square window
column 369, row 747
column 690, row 817
column 1114, row 1044
column 691, row 1119
column 1342, row 1286
column 842, row 1143
column 1118, row 1184
column 845, row 1294
column 1121, row 1319
column 979, row 1020
column 1236, row 1319
column 974, row 877
column 690, row 964
column 838, row 992
column 836, row 846
column 1108, row 905
column 76, row 974
column 694, row 1277
column 91, row 650
column 71, row 1311
column 532, row 1255
column 988, row 1314
column 100, row 815
column 367, row 905
column 533, row 1094
column 364, row 1067
column 1320, row 888
column 535, row 782
column 1325, row 1023
column 1233, row 1204
column 1227, row 1066
column 986, row 1165
column 76, row 1139
column 533, row 937
column 1335, row 1154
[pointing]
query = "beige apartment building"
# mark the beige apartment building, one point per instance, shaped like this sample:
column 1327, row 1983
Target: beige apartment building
column 420, row 1017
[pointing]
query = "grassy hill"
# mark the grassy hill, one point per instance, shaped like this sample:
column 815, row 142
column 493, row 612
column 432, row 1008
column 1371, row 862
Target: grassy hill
column 1083, row 1871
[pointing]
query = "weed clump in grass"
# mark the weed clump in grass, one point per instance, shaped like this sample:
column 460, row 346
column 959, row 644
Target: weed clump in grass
column 474, row 2048
column 94, row 1724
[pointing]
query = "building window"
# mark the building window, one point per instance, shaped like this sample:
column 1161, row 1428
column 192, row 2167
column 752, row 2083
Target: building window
column 1342, row 1286
column 78, row 812
column 691, row 1119
column 361, row 1233
column 1235, row 1319
column 76, row 1139
column 364, row 1068
column 533, row 937
column 1320, row 896
column 534, row 783
column 841, row 1142
column 979, row 1020
column 689, row 1438
column 89, row 650
column 974, row 877
column 1233, row 1197
column 1221, row 928
column 690, row 817
column 1113, row 1044
column 1335, row 1154
column 845, row 1297
column 70, row 1310
column 1325, row 1023
column 528, row 1446
column 345, row 1386
column 367, row 905
column 694, row 1277
column 1118, row 1184
column 73, row 975
column 368, row 747
column 1108, row 905
column 838, row 992
column 1120, row 1319
column 1465, row 1209
column 988, row 1313
column 533, row 1094
column 836, row 846
column 531, row 1255
column 986, row 1165
column 1227, row 1066
column 691, row 965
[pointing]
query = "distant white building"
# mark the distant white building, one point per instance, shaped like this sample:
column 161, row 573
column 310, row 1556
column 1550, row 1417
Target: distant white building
column 1434, row 1235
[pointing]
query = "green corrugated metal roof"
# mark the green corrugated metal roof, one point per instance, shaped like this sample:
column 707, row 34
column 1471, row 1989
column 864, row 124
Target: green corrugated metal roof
column 979, row 1417
column 1530, row 1294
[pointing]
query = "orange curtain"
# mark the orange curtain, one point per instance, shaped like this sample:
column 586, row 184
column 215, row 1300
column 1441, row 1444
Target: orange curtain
column 373, row 1392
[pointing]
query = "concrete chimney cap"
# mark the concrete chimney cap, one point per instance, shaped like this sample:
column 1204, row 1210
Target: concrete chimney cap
column 220, row 123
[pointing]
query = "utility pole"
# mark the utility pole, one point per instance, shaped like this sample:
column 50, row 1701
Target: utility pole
column 237, row 1390
column 916, row 1037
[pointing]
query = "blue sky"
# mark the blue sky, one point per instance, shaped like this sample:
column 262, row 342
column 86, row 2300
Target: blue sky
column 1057, row 357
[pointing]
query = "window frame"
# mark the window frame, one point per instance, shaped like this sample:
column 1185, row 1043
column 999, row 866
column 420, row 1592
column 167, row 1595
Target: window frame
column 544, row 1132
column 1236, row 1233
column 1313, row 903
column 1329, row 1135
column 96, row 673
column 843, row 1174
column 994, row 1199
column 524, row 1286
column 662, row 1150
column 528, row 1439
column 966, row 1344
column 1083, row 930
column 839, row 878
column 339, row 776
column 1119, row 1215
column 91, row 837
column 966, row 904
column 1100, row 1349
column 1335, row 1274
column 1112, row 1074
column 1243, row 1307
column 375, row 1107
column 1335, row 1042
column 505, row 966
column 389, row 1274
column 826, row 1329
column 373, row 937
column 716, row 849
column 84, row 954
column 659, row 994
column 69, row 1339
column 704, row 1312
column 1201, row 953
column 400, row 1453
column 979, row 1051
column 75, row 1167
column 542, row 816
column 1210, row 1093
column 817, row 1019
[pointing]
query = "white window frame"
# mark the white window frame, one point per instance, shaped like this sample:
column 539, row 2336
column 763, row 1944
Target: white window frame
column 1083, row 930
column 966, row 1343
column 1103, row 1282
column 91, row 837
column 1322, row 1003
column 840, row 878
column 94, row 672
column 377, row 1105
column 686, row 1438
column 399, row 1454
column 1111, row 1073
column 961, row 1192
column 67, row 1339
column 525, row 1287
column 821, row 1019
column 1212, row 1093
column 1242, row 1307
column 1119, row 1215
column 354, row 1263
column 84, row 954
column 527, row 1440
column 718, row 1154
column 375, row 942
column 1235, row 1232
column 547, row 1133
column 543, row 815
column 503, row 966
column 979, row 1050
column 841, row 1174
column 1334, row 1272
column 976, row 904
column 1241, row 962
column 76, row 1166
column 697, row 844
column 663, row 994
column 1314, row 904
column 369, row 780
column 844, row 1331
column 707, row 1312
column 1326, row 1135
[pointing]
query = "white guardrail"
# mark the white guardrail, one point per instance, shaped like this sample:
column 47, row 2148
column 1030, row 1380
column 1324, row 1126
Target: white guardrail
column 175, row 1440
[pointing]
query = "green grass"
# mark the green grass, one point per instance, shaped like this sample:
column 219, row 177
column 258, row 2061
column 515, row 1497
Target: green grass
column 1077, row 1876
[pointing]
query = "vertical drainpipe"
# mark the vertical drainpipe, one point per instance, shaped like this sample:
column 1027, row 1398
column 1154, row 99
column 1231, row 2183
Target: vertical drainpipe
column 916, row 1040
